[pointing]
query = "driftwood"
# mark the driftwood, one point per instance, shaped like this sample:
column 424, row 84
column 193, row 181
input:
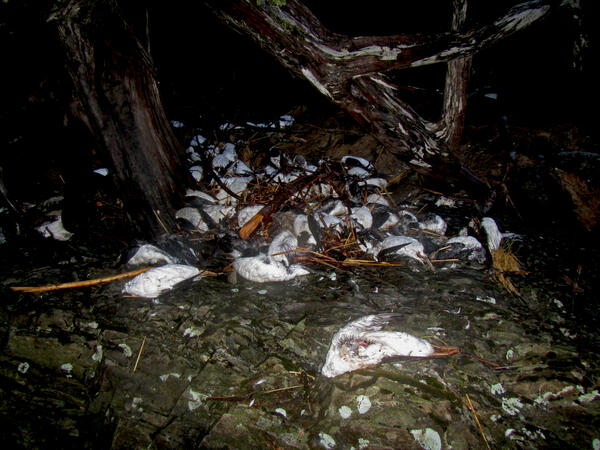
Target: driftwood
column 350, row 71
column 115, row 91
column 76, row 284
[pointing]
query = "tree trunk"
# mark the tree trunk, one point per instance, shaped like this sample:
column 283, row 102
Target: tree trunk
column 451, row 125
column 116, row 96
column 350, row 72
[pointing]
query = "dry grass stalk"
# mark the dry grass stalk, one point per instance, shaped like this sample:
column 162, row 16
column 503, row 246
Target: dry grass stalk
column 487, row 444
column 137, row 361
column 505, row 262
column 236, row 398
column 162, row 224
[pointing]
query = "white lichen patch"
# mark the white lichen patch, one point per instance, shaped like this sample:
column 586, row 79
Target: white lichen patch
column 558, row 303
column 281, row 412
column 166, row 376
column 363, row 443
column 568, row 333
column 497, row 389
column 23, row 367
column 533, row 435
column 126, row 350
column 196, row 399
column 589, row 397
column 136, row 403
column 511, row 433
column 545, row 398
column 523, row 434
column 345, row 412
column 326, row 440
column 438, row 332
column 363, row 404
column 487, row 299
column 428, row 438
column 511, row 406
column 510, row 354
column 495, row 417
column 596, row 444
column 66, row 367
column 97, row 356
column 191, row 332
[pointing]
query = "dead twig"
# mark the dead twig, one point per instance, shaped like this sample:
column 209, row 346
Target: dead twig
column 444, row 260
column 76, row 284
column 484, row 361
column 236, row 398
column 477, row 421
column 430, row 233
column 162, row 224
column 139, row 354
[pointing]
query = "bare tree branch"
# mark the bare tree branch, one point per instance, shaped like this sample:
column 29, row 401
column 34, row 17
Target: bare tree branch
column 349, row 57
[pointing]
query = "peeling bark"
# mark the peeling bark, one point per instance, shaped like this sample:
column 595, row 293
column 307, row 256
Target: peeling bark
column 450, row 127
column 116, row 96
column 350, row 71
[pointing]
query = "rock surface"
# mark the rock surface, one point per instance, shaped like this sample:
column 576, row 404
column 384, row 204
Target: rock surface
column 238, row 365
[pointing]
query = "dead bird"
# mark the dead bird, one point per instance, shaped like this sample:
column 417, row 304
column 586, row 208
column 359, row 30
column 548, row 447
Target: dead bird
column 361, row 344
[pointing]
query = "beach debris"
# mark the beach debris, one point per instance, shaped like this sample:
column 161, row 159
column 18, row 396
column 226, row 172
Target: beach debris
column 76, row 284
column 361, row 344
column 262, row 269
column 494, row 236
column 276, row 265
column 463, row 248
column 155, row 281
column 55, row 228
column 395, row 247
column 150, row 254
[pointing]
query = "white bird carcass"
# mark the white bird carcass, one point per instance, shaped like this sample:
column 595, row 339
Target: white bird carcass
column 159, row 279
column 361, row 344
